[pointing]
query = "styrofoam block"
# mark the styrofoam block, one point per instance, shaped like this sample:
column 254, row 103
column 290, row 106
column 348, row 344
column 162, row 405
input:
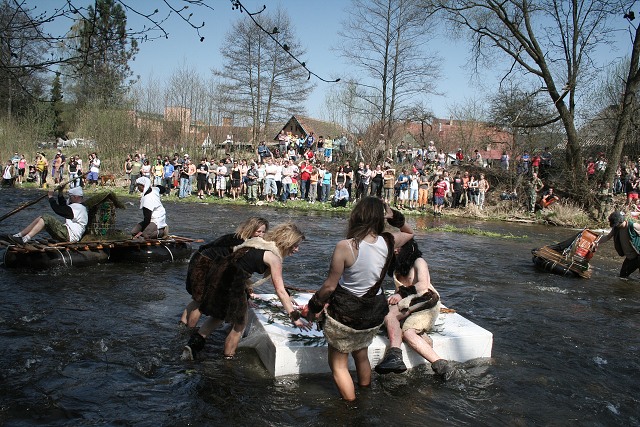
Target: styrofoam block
column 286, row 350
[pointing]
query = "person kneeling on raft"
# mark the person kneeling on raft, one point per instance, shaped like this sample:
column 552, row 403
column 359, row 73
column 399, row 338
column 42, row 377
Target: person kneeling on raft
column 154, row 221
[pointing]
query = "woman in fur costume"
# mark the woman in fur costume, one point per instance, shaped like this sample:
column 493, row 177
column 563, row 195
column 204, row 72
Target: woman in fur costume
column 413, row 310
column 225, row 297
column 356, row 304
column 207, row 254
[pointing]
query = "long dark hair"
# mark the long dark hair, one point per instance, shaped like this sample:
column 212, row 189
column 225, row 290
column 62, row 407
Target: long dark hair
column 404, row 259
column 366, row 217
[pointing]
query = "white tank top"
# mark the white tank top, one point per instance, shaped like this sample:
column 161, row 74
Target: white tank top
column 365, row 272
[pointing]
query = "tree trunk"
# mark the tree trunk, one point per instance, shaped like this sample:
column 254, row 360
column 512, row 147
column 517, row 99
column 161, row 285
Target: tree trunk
column 628, row 101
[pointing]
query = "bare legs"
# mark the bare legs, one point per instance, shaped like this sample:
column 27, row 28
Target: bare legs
column 36, row 226
column 422, row 344
column 339, row 367
column 191, row 314
column 392, row 323
column 233, row 338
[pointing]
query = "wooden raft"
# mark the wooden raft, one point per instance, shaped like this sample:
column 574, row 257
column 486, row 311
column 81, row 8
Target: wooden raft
column 42, row 245
column 555, row 262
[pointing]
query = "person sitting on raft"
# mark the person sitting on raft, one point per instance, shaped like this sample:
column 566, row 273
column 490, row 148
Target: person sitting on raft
column 225, row 298
column 74, row 212
column 357, row 306
column 413, row 310
column 154, row 215
column 208, row 255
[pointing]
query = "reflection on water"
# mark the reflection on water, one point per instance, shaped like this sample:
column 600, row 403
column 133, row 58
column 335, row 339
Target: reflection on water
column 100, row 345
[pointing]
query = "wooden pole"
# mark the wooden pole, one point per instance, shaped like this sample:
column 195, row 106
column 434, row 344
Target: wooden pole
column 33, row 202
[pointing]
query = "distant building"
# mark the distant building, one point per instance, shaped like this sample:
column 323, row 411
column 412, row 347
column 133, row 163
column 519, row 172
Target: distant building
column 303, row 126
column 449, row 135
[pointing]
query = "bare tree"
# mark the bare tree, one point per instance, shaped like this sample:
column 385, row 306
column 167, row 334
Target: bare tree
column 521, row 112
column 551, row 41
column 423, row 115
column 387, row 39
column 628, row 104
column 261, row 78
column 472, row 116
column 344, row 105
column 67, row 47
column 186, row 95
column 148, row 96
column 19, row 48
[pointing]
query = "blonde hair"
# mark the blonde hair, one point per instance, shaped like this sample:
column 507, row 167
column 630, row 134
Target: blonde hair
column 247, row 229
column 286, row 236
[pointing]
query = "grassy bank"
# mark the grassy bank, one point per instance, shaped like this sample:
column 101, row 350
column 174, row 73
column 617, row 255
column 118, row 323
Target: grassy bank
column 563, row 213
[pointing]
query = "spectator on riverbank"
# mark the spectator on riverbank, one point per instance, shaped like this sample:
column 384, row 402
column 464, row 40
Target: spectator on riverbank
column 136, row 168
column 167, row 171
column 535, row 186
column 605, row 200
column 94, row 169
column 424, row 185
column 504, row 161
column 548, row 198
column 8, row 174
column 22, row 167
column 389, row 185
column 42, row 167
column 632, row 190
column 326, row 184
column 483, row 187
column 340, row 197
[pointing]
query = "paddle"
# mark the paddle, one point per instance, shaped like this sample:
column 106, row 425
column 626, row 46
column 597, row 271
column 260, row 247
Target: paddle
column 33, row 202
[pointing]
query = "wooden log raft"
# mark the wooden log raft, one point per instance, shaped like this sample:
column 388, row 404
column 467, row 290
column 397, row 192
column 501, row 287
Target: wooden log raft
column 42, row 254
column 570, row 257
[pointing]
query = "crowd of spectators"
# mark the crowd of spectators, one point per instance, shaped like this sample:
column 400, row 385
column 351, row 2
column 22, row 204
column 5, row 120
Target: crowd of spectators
column 308, row 170
column 311, row 169
column 42, row 171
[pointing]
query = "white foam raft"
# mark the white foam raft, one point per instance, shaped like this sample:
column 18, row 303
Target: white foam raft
column 285, row 350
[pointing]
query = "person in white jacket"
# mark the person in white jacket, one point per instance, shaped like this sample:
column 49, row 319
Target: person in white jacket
column 154, row 220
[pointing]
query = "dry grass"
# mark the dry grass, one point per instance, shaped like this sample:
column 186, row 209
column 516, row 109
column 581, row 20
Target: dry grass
column 566, row 214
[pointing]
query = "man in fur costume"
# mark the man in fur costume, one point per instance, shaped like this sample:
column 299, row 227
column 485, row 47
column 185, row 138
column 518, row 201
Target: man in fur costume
column 413, row 310
column 225, row 298
column 626, row 239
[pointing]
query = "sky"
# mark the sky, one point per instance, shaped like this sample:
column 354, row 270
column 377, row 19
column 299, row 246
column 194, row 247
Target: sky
column 317, row 23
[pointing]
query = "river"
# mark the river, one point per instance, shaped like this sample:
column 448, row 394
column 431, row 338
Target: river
column 101, row 345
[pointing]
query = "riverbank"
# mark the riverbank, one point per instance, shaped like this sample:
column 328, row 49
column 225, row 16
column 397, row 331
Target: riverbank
column 562, row 214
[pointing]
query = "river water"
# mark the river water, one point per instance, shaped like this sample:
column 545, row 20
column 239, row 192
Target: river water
column 101, row 345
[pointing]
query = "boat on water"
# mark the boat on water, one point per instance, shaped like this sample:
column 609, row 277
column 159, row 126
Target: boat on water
column 286, row 350
column 570, row 257
column 101, row 243
column 42, row 254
